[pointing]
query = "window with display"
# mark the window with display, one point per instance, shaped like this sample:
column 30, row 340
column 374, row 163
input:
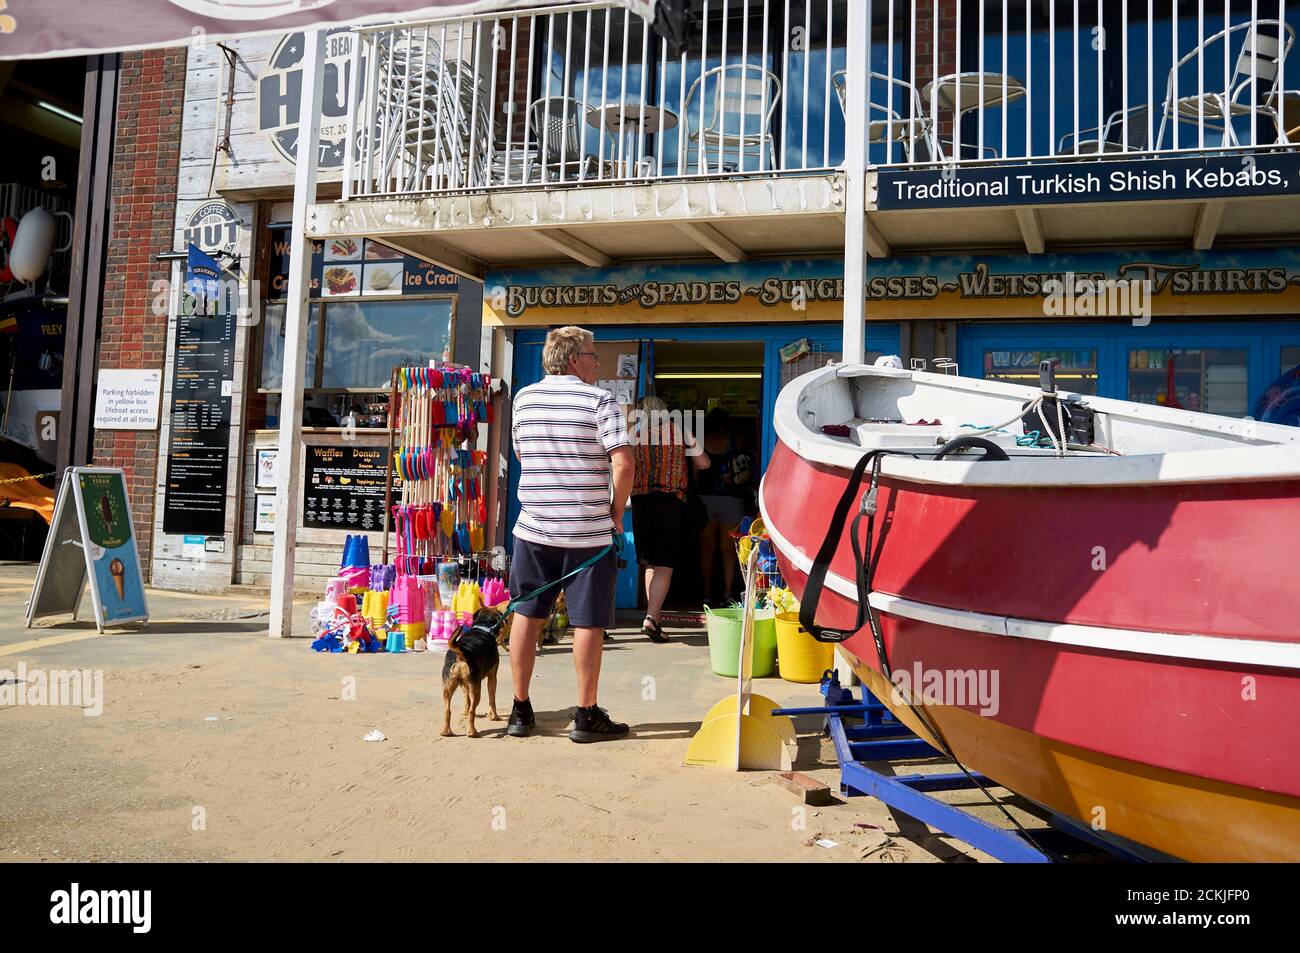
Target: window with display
column 1077, row 371
column 352, row 348
column 1210, row 380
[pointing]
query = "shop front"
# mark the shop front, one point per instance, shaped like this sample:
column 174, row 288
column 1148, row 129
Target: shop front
column 1215, row 332
column 373, row 308
column 715, row 342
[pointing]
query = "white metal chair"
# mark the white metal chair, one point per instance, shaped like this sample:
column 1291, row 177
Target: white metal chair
column 434, row 130
column 1108, row 138
column 556, row 124
column 894, row 126
column 728, row 114
column 1257, row 66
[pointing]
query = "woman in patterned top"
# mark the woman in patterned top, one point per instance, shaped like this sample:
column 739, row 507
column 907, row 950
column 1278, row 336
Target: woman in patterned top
column 661, row 451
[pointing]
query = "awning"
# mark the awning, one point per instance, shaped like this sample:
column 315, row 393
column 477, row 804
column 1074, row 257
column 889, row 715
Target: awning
column 45, row 28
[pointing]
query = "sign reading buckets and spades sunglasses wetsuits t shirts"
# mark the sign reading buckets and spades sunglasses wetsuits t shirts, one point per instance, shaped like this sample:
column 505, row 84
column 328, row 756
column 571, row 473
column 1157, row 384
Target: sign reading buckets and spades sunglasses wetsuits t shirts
column 91, row 537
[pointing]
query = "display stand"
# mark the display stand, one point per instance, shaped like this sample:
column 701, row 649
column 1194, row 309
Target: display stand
column 91, row 538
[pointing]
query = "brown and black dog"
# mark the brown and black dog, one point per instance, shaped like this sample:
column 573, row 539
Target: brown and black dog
column 472, row 656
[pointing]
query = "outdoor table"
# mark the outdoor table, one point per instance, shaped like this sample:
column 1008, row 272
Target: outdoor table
column 978, row 91
column 627, row 121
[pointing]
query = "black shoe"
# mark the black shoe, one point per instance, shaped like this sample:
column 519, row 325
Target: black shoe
column 653, row 631
column 521, row 722
column 593, row 724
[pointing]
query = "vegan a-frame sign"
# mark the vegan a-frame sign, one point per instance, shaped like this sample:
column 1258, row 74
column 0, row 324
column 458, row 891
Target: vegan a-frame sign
column 91, row 537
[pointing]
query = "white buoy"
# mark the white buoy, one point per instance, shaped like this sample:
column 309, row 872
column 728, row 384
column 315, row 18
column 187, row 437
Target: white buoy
column 32, row 245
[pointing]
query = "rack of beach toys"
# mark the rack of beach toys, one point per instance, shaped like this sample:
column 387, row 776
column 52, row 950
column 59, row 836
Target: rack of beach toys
column 440, row 574
column 781, row 645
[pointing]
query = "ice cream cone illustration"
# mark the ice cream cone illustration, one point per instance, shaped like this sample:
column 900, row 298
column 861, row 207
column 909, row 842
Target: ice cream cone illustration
column 118, row 572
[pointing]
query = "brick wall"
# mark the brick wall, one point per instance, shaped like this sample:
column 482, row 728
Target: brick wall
column 146, row 154
column 928, row 38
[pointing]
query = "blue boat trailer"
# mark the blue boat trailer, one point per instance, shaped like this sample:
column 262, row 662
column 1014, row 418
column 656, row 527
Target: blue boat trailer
column 880, row 737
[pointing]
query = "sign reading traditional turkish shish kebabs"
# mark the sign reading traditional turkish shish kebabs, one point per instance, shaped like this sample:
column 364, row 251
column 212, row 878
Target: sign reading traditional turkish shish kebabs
column 36, row 28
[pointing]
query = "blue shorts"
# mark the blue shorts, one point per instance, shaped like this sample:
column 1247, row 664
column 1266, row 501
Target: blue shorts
column 590, row 594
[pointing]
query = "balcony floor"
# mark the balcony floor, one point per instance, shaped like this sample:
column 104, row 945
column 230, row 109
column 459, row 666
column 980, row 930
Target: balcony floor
column 730, row 220
column 787, row 217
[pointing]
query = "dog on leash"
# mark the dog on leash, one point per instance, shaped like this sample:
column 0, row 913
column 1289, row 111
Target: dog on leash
column 472, row 656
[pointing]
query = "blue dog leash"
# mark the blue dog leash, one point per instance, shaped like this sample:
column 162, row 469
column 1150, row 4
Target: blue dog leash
column 615, row 546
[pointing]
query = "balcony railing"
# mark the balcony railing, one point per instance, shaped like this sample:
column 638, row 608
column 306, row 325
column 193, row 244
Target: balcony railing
column 1024, row 80
column 585, row 93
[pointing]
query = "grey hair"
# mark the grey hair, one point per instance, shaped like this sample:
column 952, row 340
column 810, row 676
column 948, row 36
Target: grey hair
column 563, row 344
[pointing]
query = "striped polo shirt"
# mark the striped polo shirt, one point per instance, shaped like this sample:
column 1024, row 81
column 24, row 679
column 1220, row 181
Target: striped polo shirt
column 563, row 432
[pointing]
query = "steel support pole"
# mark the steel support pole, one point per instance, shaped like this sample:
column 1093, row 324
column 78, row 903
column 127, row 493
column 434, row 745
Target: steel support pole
column 296, row 314
column 855, row 173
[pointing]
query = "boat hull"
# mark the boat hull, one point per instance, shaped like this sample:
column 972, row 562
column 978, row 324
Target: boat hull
column 1179, row 814
column 1159, row 703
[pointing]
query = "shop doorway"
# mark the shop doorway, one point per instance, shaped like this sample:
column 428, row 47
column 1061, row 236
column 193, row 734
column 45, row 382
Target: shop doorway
column 717, row 389
column 737, row 368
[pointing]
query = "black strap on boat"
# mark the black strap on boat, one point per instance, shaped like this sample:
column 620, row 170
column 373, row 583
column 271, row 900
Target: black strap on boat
column 812, row 593
column 864, row 561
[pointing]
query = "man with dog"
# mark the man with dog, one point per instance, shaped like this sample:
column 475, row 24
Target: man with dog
column 576, row 473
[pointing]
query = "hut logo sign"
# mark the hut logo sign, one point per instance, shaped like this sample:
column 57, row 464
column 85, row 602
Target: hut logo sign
column 213, row 227
column 279, row 94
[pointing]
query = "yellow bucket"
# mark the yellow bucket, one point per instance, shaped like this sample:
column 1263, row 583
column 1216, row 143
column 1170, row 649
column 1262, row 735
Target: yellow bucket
column 800, row 657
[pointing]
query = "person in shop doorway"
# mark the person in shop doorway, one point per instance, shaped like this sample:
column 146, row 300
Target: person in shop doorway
column 575, row 476
column 662, row 452
column 723, row 486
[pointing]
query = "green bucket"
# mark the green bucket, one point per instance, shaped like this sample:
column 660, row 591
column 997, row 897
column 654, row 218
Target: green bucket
column 724, row 627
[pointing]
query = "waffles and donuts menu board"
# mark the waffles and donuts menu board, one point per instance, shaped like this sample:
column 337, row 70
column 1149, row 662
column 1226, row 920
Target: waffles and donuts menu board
column 343, row 488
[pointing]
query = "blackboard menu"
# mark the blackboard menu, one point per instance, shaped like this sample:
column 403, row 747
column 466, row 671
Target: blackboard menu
column 343, row 488
column 203, row 372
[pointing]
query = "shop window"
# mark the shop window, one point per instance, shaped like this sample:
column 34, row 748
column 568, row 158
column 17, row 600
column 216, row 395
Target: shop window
column 365, row 340
column 1210, row 380
column 352, row 348
column 1077, row 371
column 273, row 344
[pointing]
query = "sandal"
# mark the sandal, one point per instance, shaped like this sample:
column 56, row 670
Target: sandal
column 653, row 631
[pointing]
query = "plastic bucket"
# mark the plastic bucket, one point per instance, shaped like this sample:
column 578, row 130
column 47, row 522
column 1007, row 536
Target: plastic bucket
column 803, row 658
column 724, row 627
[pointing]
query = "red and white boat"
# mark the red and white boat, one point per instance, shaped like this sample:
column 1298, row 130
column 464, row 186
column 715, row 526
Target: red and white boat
column 1135, row 597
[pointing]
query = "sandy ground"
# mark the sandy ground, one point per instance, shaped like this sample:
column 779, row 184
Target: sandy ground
column 217, row 743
